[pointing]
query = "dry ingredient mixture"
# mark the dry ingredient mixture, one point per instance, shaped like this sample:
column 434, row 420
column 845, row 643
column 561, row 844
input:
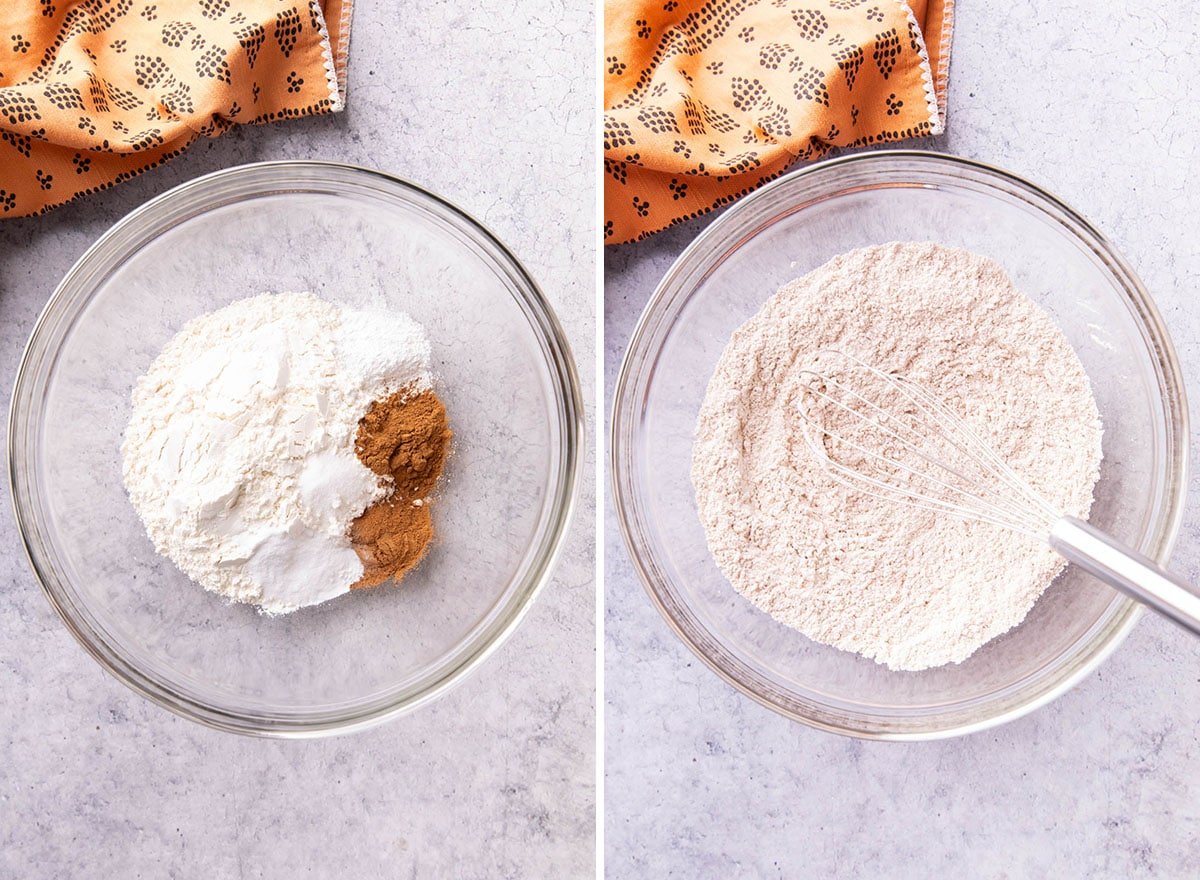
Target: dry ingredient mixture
column 908, row 588
column 247, row 455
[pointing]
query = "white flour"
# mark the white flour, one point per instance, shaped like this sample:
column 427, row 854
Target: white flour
column 239, row 455
column 908, row 588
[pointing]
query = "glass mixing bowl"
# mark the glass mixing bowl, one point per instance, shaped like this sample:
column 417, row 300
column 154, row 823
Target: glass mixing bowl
column 783, row 231
column 501, row 365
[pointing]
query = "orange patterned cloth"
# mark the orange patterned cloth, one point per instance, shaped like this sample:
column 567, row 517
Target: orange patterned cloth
column 93, row 92
column 705, row 101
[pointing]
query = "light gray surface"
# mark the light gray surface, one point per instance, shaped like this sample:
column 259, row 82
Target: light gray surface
column 496, row 779
column 1097, row 104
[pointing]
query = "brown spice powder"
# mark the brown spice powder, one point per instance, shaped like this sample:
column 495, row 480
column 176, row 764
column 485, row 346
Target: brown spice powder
column 406, row 437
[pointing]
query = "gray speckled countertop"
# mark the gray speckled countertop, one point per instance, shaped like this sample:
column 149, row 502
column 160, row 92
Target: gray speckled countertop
column 1096, row 102
column 497, row 778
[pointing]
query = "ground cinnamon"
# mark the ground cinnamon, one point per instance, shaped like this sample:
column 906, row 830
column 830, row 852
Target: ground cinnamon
column 405, row 437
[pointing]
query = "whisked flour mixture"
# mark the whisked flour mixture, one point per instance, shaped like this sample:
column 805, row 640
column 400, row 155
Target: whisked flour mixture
column 908, row 588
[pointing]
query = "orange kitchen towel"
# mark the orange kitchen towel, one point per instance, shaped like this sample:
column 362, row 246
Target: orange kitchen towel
column 707, row 99
column 94, row 92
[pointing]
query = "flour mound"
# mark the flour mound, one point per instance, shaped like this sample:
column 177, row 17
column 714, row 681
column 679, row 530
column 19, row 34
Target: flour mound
column 239, row 455
column 908, row 588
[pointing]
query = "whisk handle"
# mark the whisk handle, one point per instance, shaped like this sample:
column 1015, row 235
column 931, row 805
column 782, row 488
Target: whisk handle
column 1130, row 572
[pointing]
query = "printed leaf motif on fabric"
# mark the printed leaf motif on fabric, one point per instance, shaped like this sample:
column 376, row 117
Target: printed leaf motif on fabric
column 728, row 94
column 94, row 92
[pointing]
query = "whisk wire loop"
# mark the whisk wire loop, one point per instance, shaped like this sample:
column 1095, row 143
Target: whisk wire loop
column 1001, row 501
column 976, row 483
column 915, row 450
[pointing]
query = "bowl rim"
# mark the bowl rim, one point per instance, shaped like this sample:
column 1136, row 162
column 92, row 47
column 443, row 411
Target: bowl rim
column 1113, row 632
column 540, row 560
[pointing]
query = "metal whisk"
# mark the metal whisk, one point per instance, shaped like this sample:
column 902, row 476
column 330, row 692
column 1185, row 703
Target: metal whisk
column 883, row 434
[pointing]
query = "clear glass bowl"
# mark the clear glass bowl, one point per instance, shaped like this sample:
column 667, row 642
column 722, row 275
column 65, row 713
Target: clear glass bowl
column 502, row 367
column 792, row 226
